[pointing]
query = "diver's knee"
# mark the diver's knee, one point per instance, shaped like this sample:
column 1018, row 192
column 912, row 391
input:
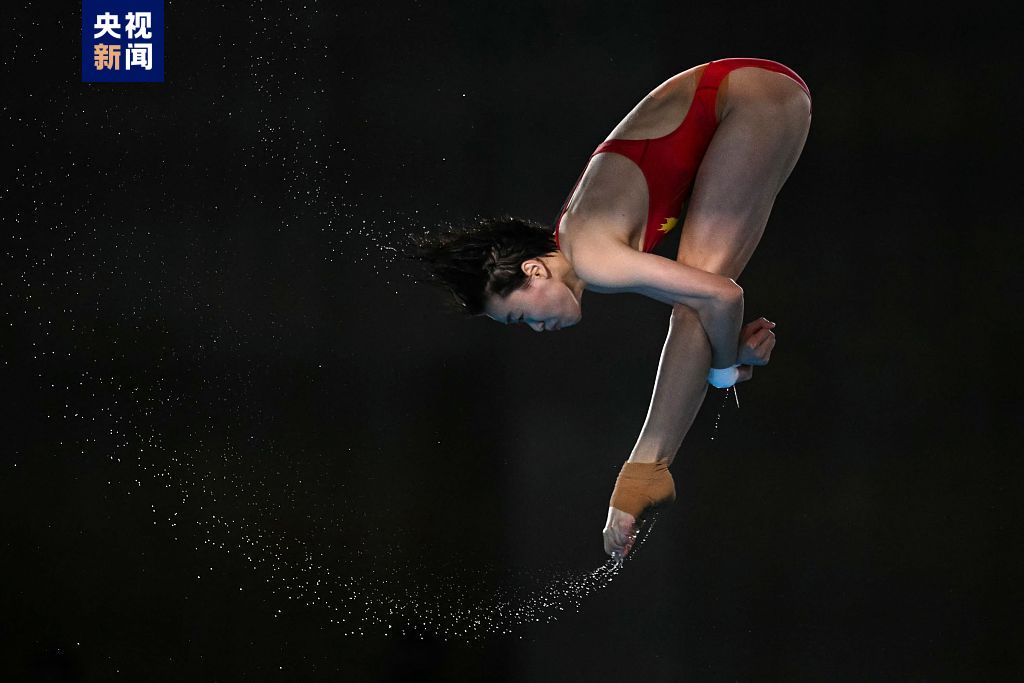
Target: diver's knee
column 681, row 313
column 685, row 321
column 683, row 310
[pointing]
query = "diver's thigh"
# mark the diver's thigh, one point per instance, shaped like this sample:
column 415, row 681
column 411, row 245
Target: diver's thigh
column 753, row 151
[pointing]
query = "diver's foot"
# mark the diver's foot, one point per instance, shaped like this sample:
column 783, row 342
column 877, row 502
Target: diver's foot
column 620, row 531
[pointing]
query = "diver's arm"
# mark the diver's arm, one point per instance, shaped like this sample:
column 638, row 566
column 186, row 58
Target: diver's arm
column 611, row 266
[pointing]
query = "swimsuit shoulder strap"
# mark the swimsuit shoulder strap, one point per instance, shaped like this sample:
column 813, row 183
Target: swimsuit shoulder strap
column 633, row 149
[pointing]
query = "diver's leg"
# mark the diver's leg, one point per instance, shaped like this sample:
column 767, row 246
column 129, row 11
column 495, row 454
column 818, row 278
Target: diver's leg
column 764, row 125
column 679, row 388
column 754, row 149
column 763, row 128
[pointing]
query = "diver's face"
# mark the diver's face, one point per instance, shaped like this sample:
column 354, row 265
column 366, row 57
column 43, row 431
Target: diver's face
column 544, row 303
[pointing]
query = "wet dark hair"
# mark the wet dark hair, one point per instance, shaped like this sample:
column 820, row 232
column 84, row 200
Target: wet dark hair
column 483, row 259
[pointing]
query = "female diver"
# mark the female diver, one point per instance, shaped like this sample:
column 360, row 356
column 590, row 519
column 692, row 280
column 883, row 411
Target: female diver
column 722, row 137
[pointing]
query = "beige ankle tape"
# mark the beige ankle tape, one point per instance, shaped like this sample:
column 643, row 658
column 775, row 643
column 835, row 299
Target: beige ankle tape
column 642, row 485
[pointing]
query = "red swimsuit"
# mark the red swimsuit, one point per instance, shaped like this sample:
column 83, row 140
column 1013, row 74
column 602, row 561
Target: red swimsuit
column 670, row 163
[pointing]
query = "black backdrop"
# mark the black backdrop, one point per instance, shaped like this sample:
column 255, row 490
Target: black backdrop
column 196, row 297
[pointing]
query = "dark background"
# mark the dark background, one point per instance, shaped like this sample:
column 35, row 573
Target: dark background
column 200, row 323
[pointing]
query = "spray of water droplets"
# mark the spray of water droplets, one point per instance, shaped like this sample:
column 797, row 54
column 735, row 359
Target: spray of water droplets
column 410, row 600
column 725, row 400
column 211, row 495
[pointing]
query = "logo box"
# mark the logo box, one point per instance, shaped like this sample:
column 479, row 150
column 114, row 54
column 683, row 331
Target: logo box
column 122, row 41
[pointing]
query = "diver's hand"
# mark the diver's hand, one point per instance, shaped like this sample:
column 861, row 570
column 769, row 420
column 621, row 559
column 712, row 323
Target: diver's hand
column 756, row 343
column 619, row 533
